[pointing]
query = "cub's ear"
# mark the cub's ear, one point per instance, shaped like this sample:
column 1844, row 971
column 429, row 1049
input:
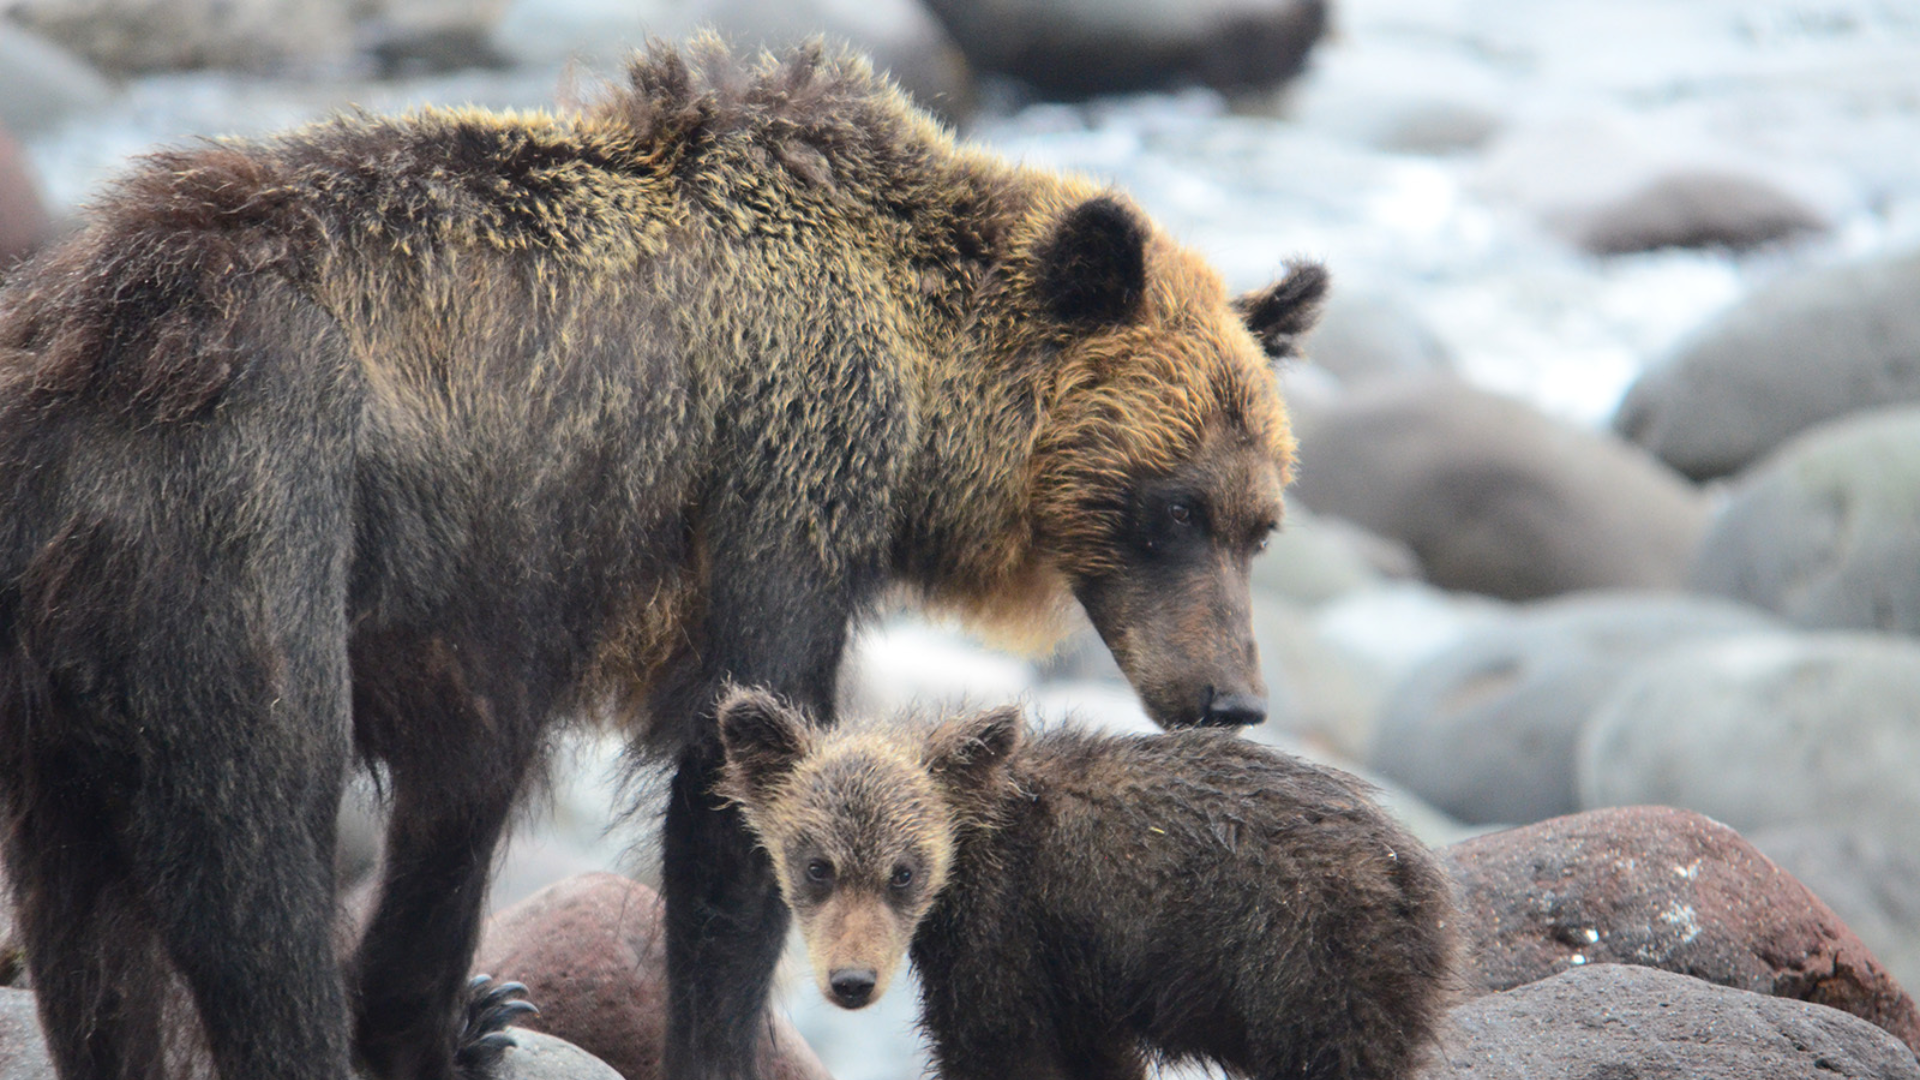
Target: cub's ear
column 1093, row 269
column 967, row 754
column 1281, row 312
column 763, row 739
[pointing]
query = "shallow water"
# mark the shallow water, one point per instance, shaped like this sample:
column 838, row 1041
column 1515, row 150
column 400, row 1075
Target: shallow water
column 1580, row 99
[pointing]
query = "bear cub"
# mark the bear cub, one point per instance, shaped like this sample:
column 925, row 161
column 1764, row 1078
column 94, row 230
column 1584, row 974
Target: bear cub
column 1079, row 904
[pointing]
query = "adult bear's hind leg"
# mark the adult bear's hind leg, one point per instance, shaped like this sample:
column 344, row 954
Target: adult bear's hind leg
column 98, row 973
column 459, row 740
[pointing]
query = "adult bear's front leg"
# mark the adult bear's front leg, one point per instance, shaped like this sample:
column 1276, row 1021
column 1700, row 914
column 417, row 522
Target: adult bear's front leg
column 726, row 926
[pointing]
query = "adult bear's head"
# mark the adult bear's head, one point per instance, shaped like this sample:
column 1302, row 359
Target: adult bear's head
column 1163, row 448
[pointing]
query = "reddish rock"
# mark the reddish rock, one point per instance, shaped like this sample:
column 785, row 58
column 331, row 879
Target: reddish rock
column 1618, row 1022
column 24, row 224
column 592, row 955
column 1661, row 888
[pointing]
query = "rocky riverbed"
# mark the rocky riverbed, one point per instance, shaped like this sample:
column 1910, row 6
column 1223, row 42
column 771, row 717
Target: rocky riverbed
column 1610, row 482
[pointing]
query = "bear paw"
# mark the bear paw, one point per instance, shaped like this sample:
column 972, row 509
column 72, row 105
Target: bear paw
column 491, row 1007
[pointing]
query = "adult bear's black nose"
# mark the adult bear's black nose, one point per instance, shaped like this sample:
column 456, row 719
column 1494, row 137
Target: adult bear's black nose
column 1234, row 710
column 852, row 987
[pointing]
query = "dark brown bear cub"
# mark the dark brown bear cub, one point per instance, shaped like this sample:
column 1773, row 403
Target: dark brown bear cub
column 1079, row 904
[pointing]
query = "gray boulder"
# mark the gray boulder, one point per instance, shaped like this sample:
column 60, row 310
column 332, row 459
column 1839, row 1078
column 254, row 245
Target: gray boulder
column 1371, row 335
column 1801, row 351
column 1766, row 730
column 1826, row 531
column 1494, row 496
column 1695, row 208
column 1871, row 882
column 23, row 1052
column 1487, row 729
column 129, row 37
column 1315, row 691
column 41, row 84
column 1073, row 49
column 1316, row 558
column 1620, row 1022
column 537, row 1056
column 903, row 38
column 533, row 1056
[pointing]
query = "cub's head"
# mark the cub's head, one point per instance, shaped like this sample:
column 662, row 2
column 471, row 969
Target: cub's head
column 860, row 824
column 1163, row 447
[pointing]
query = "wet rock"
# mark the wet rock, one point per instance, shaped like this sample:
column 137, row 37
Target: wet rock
column 132, row 37
column 1069, row 49
column 1704, row 208
column 592, row 820
column 1402, row 95
column 1607, row 182
column 1827, row 530
column 1661, row 888
column 591, row 951
column 537, row 1056
column 23, row 1052
column 534, row 1056
column 1364, row 336
column 13, row 957
column 1316, row 692
column 1316, row 558
column 1487, row 729
column 24, row 223
column 1393, row 628
column 41, row 84
column 1618, row 1022
column 1871, row 882
column 416, row 37
column 124, row 37
column 360, row 837
column 904, row 39
column 1494, row 496
column 1766, row 730
column 1802, row 351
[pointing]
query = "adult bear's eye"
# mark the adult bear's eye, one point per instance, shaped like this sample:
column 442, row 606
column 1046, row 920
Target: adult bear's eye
column 1182, row 513
column 902, row 877
column 819, row 871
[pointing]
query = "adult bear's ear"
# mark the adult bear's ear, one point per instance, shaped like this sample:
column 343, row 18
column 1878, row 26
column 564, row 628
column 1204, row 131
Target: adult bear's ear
column 967, row 755
column 1092, row 269
column 763, row 739
column 1281, row 312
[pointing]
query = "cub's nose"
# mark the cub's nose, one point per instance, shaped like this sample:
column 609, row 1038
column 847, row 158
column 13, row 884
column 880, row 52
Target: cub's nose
column 852, row 987
column 1234, row 710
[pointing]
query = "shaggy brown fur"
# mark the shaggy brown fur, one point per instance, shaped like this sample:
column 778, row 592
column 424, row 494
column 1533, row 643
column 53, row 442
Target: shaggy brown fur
column 405, row 437
column 1079, row 904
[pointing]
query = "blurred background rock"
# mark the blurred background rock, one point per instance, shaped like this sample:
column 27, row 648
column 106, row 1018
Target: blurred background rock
column 1610, row 466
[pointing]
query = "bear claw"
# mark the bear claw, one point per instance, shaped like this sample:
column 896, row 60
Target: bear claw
column 491, row 1007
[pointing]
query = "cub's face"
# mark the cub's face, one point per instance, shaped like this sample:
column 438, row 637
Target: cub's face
column 859, row 826
column 1164, row 452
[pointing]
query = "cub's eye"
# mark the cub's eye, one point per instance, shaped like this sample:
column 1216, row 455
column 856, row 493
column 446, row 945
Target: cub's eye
column 1182, row 513
column 902, row 877
column 1265, row 538
column 819, row 871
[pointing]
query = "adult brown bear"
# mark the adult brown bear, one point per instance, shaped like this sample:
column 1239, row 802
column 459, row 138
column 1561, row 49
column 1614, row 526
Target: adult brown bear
column 403, row 439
